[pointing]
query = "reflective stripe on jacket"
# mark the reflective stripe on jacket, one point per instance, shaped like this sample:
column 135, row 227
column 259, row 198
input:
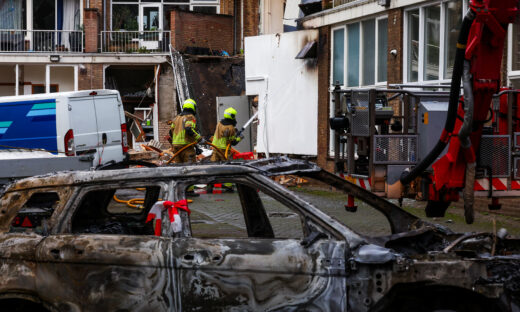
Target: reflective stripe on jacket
column 224, row 135
column 179, row 126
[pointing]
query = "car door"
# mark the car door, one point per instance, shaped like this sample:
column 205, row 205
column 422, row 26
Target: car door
column 108, row 258
column 238, row 256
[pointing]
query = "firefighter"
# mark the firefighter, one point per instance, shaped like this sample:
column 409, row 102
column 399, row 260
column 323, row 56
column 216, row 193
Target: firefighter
column 183, row 132
column 225, row 134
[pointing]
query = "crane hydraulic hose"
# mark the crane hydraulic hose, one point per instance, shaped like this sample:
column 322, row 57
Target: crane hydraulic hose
column 453, row 102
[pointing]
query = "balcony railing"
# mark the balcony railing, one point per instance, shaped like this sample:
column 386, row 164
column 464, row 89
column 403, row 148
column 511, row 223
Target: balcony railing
column 135, row 41
column 55, row 41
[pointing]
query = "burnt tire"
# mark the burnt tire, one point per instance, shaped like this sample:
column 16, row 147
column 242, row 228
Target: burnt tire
column 436, row 209
column 440, row 299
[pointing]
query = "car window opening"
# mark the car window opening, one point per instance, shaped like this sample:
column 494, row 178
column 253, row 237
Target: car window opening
column 116, row 211
column 364, row 219
column 35, row 213
column 236, row 210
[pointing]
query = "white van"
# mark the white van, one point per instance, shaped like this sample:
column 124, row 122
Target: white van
column 81, row 123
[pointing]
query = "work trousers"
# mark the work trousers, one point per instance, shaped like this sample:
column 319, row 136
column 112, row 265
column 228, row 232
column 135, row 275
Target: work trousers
column 216, row 156
column 186, row 156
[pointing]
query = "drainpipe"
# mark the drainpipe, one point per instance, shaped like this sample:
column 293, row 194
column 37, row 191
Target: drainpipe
column 235, row 27
column 242, row 25
column 104, row 15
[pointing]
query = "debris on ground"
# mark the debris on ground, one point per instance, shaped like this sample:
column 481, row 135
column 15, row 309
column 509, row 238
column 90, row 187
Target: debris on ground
column 290, row 180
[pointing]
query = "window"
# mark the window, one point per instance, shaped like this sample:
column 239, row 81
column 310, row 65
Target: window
column 353, row 55
column 39, row 88
column 12, row 14
column 244, row 212
column 116, row 211
column 35, row 213
column 366, row 220
column 154, row 14
column 338, row 56
column 365, row 53
column 125, row 16
column 430, row 41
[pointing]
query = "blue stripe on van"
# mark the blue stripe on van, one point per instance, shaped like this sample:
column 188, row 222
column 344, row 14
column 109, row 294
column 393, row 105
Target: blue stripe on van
column 41, row 112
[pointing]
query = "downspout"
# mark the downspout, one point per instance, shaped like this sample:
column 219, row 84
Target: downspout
column 235, row 27
column 104, row 15
column 242, row 25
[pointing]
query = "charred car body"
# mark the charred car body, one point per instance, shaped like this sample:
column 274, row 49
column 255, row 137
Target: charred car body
column 64, row 247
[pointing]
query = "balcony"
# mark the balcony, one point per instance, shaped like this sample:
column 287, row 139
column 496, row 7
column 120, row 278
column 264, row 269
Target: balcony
column 41, row 41
column 135, row 41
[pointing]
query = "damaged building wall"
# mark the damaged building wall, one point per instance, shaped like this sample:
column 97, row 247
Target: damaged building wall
column 287, row 90
column 209, row 77
column 168, row 105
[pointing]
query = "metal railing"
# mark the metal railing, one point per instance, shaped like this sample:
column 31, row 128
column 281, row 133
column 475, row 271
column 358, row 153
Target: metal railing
column 135, row 41
column 55, row 41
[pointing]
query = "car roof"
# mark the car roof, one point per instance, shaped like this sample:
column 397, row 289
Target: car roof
column 268, row 167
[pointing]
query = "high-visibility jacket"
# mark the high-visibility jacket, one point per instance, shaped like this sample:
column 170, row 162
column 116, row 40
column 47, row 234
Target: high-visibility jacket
column 225, row 134
column 183, row 127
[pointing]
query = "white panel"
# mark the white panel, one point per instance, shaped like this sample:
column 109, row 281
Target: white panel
column 287, row 90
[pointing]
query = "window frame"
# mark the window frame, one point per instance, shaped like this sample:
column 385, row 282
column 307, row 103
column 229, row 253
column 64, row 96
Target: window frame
column 161, row 4
column 377, row 83
column 246, row 180
column 442, row 39
column 65, row 225
column 511, row 74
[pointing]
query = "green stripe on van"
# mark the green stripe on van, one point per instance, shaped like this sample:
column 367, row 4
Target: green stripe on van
column 44, row 106
column 5, row 124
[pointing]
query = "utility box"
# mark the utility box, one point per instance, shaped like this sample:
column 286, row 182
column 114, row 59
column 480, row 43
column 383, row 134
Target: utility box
column 431, row 118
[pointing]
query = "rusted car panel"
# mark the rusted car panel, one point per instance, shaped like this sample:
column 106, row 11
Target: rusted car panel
column 420, row 267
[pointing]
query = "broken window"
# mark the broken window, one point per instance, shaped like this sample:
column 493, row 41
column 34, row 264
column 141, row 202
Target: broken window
column 116, row 211
column 226, row 210
column 35, row 213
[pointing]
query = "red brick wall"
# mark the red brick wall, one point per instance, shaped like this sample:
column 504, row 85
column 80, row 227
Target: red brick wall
column 91, row 77
column 251, row 18
column 91, row 28
column 201, row 30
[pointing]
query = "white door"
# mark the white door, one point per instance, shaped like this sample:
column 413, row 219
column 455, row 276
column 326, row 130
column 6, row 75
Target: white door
column 150, row 22
column 84, row 125
column 109, row 129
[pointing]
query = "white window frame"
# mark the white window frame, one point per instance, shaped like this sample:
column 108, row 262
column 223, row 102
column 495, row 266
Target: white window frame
column 442, row 45
column 511, row 74
column 345, row 54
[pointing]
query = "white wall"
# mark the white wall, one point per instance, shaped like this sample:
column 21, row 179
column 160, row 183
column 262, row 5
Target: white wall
column 287, row 90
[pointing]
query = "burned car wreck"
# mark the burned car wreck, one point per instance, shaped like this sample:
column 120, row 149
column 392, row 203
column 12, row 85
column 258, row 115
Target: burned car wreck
column 67, row 245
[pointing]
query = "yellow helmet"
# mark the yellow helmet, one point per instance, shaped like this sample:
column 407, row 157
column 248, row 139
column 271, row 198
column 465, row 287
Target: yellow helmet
column 230, row 113
column 189, row 103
